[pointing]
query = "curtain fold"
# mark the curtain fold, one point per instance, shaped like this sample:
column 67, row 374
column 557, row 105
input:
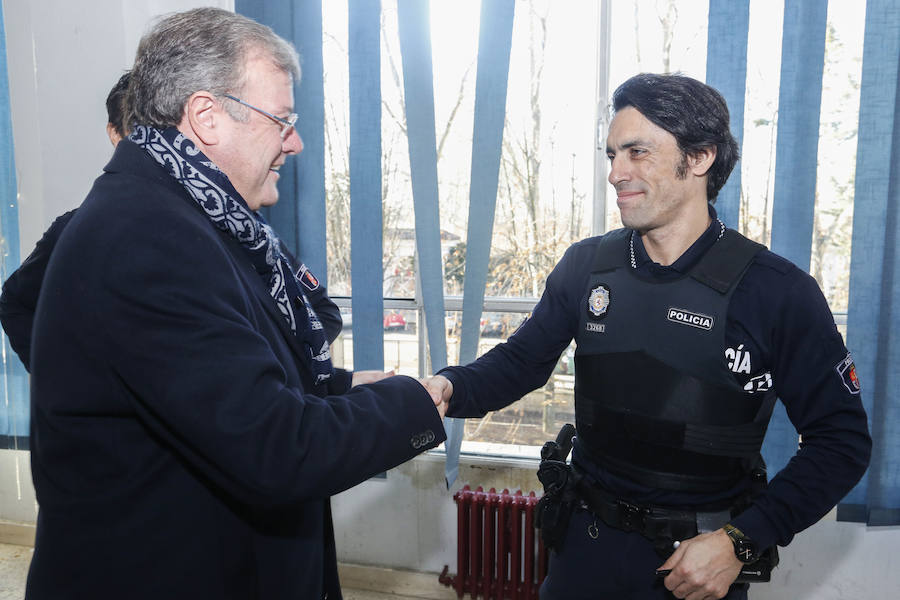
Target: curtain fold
column 14, row 404
column 418, row 91
column 494, row 44
column 796, row 167
column 873, row 320
column 299, row 215
column 364, row 49
column 726, row 70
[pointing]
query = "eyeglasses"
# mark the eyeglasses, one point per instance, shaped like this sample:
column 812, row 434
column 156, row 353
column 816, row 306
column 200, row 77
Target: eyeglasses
column 287, row 125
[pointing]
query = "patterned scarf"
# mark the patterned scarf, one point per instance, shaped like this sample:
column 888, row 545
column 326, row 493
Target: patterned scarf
column 213, row 192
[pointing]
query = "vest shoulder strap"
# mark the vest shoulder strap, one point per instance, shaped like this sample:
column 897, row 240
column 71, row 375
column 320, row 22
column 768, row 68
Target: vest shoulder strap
column 725, row 262
column 720, row 268
column 612, row 250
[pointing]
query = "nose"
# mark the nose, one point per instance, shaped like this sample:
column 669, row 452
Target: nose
column 292, row 143
column 617, row 171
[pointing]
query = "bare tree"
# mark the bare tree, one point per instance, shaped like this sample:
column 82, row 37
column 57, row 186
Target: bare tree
column 668, row 21
column 397, row 267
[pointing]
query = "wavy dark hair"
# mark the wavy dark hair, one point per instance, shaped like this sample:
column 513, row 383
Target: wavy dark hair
column 115, row 104
column 693, row 112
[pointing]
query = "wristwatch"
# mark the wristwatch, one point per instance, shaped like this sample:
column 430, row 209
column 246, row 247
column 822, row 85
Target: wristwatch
column 744, row 548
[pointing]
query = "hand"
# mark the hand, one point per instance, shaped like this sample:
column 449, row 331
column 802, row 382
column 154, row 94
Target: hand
column 361, row 377
column 440, row 389
column 702, row 567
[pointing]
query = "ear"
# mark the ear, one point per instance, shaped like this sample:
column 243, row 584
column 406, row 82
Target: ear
column 114, row 137
column 702, row 160
column 203, row 115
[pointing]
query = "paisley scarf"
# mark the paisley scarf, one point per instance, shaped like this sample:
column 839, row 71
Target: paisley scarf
column 212, row 191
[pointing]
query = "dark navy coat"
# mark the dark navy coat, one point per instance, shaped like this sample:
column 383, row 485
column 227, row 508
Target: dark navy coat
column 179, row 446
column 22, row 288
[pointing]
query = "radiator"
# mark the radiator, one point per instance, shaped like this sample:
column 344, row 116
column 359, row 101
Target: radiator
column 499, row 555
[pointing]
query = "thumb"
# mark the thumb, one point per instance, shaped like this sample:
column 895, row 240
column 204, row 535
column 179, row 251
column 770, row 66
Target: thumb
column 673, row 560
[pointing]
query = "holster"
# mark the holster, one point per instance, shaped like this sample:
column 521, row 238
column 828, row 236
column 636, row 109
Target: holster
column 761, row 570
column 560, row 482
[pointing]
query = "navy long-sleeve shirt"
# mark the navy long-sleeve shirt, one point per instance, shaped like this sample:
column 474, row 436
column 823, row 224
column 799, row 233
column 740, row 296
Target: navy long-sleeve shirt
column 779, row 332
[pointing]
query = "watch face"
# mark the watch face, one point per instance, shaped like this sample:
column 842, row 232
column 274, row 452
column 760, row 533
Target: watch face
column 745, row 550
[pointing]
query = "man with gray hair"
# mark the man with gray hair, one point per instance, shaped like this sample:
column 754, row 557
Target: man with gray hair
column 188, row 426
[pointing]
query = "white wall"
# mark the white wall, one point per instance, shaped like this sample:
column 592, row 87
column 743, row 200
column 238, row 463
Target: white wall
column 63, row 57
column 408, row 521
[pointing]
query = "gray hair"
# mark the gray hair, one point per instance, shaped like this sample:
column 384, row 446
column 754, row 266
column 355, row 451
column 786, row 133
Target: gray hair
column 200, row 49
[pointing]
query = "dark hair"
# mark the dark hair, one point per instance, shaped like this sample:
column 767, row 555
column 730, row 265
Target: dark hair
column 199, row 49
column 115, row 104
column 693, row 112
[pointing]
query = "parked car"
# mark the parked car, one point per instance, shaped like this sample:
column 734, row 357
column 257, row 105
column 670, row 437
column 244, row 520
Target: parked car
column 394, row 321
column 500, row 325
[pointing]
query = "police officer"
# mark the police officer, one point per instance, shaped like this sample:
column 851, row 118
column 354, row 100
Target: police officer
column 686, row 333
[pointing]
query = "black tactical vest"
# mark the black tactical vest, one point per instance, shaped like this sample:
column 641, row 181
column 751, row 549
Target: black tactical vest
column 655, row 400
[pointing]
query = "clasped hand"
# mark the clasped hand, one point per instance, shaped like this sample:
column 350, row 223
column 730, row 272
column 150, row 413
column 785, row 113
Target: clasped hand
column 703, row 567
column 438, row 387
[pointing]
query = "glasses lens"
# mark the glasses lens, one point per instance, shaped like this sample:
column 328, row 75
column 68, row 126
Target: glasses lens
column 288, row 126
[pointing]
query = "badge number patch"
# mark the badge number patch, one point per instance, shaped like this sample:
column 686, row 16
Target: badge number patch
column 598, row 301
column 847, row 371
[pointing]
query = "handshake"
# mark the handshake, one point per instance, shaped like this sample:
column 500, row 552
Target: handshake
column 438, row 387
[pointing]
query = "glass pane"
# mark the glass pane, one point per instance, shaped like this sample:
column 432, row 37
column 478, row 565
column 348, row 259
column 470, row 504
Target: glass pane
column 547, row 164
column 401, row 344
column 535, row 418
column 839, row 119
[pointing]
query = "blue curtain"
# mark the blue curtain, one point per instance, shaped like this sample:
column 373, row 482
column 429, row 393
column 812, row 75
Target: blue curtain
column 873, row 327
column 14, row 406
column 796, row 153
column 494, row 45
column 364, row 48
column 418, row 91
column 873, row 320
column 299, row 215
column 726, row 70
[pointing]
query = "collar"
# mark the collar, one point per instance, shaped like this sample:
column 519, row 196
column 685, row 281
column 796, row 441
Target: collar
column 641, row 262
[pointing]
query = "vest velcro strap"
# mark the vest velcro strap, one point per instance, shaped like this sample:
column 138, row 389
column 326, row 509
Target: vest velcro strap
column 741, row 441
column 738, row 441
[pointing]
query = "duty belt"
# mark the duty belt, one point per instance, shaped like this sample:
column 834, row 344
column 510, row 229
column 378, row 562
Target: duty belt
column 663, row 526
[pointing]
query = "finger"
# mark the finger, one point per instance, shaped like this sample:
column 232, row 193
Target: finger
column 442, row 409
column 446, row 387
column 673, row 560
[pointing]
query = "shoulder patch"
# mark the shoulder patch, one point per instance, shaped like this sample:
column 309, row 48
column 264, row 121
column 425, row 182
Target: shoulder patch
column 306, row 277
column 846, row 370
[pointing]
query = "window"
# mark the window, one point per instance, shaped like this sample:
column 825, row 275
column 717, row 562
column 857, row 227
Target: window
column 546, row 197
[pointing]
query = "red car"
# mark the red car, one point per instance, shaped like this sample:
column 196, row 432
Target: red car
column 394, row 322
